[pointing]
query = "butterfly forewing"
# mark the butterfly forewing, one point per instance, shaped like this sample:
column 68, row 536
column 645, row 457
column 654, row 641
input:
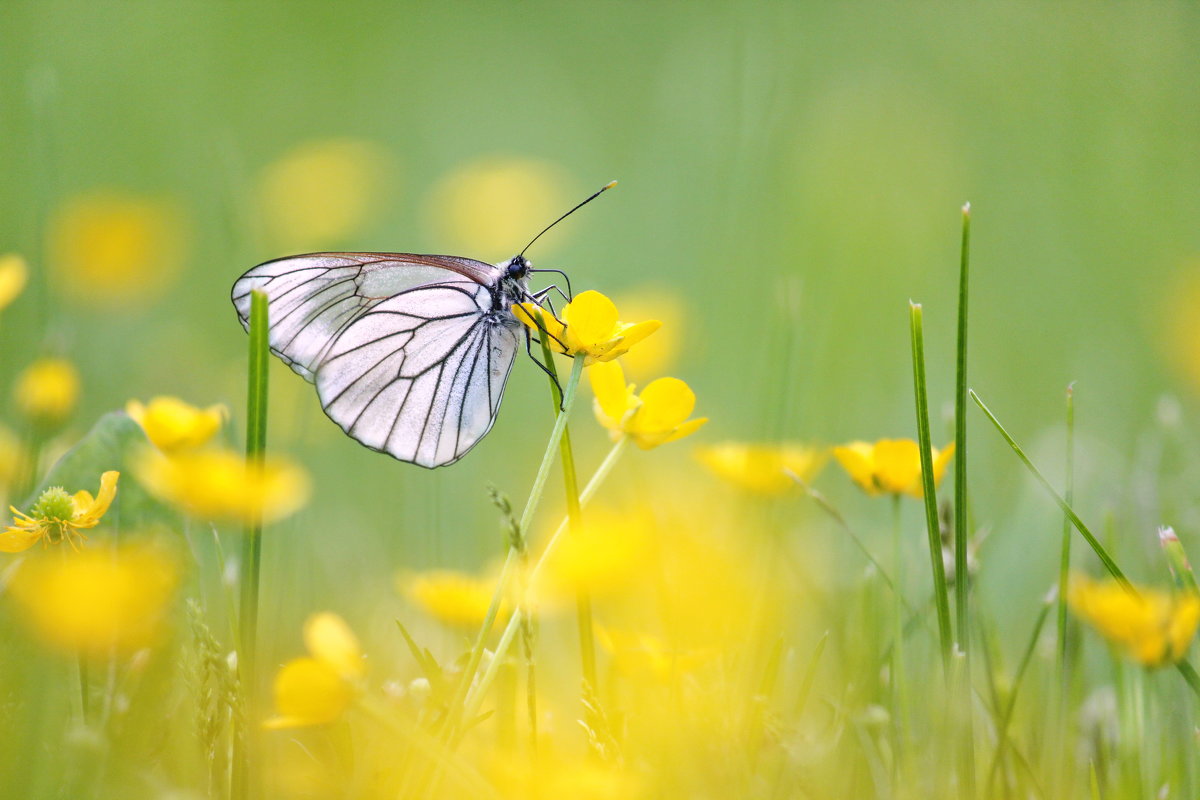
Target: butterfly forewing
column 314, row 298
column 420, row 375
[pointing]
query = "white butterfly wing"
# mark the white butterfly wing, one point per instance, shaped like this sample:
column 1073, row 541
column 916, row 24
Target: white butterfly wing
column 313, row 298
column 420, row 375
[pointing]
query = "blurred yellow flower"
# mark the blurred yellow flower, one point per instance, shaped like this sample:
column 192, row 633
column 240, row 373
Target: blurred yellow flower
column 316, row 690
column 552, row 778
column 219, row 484
column 321, row 192
column 47, row 390
column 589, row 325
column 97, row 599
column 607, row 552
column 113, row 249
column 171, row 424
column 656, row 416
column 762, row 468
column 891, row 466
column 59, row 517
column 13, row 275
column 492, row 206
column 452, row 597
column 13, row 457
column 658, row 352
column 639, row 655
column 1149, row 626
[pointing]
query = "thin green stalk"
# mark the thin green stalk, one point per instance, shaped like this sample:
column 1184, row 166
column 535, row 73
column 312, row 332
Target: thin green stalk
column 941, row 594
column 961, row 582
column 256, row 443
column 899, row 683
column 1010, row 706
column 583, row 602
column 1098, row 548
column 1064, row 565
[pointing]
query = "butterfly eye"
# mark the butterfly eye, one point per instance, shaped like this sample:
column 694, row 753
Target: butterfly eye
column 518, row 267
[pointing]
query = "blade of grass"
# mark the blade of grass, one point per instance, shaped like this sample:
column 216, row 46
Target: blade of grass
column 256, row 443
column 961, row 582
column 941, row 595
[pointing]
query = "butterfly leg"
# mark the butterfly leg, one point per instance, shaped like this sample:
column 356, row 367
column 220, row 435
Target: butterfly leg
column 543, row 367
column 570, row 292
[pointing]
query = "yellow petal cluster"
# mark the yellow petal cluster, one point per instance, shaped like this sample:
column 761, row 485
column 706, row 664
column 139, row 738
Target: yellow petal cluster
column 47, row 390
column 1149, row 626
column 316, row 689
column 115, row 249
column 59, row 517
column 173, row 425
column 454, row 598
column 98, row 599
column 765, row 469
column 14, row 274
column 219, row 484
column 659, row 414
column 589, row 326
column 890, row 466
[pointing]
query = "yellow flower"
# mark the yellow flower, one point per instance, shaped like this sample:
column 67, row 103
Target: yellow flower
column 452, row 597
column 315, row 690
column 1149, row 626
column 605, row 555
column 114, row 249
column 762, row 468
column 494, row 205
column 322, row 191
column 657, row 353
column 656, row 416
column 13, row 275
column 97, row 599
column 47, row 391
column 219, row 484
column 171, row 424
column 891, row 466
column 589, row 325
column 58, row 516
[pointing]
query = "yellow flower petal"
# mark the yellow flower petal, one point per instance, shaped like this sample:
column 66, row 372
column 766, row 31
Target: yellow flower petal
column 88, row 511
column 13, row 275
column 46, row 392
column 1149, row 626
column 762, row 468
column 614, row 398
column 329, row 638
column 171, row 424
column 16, row 540
column 590, row 318
column 308, row 691
column 897, row 465
column 454, row 598
column 856, row 459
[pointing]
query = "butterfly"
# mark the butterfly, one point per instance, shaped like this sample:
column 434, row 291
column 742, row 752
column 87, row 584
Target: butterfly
column 409, row 353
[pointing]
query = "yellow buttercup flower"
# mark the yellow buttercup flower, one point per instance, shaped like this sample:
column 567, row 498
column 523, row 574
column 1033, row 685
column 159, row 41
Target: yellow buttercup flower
column 59, row 517
column 659, row 414
column 98, row 599
column 589, row 326
column 114, row 249
column 604, row 555
column 47, row 390
column 1149, row 626
column 218, row 484
column 455, row 598
column 320, row 192
column 171, row 424
column 493, row 205
column 14, row 273
column 890, row 466
column 315, row 690
column 762, row 468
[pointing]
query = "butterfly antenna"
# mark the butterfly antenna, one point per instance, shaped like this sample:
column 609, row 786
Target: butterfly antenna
column 603, row 189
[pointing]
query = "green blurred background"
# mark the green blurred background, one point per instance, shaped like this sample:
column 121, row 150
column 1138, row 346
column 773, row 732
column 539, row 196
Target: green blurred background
column 791, row 175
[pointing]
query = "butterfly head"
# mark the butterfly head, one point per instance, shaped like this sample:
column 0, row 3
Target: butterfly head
column 517, row 268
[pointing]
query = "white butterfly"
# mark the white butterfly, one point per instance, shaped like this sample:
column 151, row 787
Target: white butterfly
column 409, row 353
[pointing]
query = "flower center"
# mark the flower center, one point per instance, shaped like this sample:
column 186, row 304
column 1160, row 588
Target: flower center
column 55, row 505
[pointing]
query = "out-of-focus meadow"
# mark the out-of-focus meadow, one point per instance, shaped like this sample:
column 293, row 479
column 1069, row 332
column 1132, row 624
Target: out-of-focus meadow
column 791, row 175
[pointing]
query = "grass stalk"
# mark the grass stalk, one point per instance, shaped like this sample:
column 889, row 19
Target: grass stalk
column 1064, row 565
column 256, row 442
column 941, row 594
column 961, row 578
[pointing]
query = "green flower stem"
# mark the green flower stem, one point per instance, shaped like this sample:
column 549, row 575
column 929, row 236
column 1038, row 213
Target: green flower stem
column 940, row 593
column 461, row 694
column 1064, row 564
column 583, row 602
column 256, row 443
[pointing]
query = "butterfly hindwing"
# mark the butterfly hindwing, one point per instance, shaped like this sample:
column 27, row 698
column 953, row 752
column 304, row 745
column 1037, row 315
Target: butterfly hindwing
column 420, row 375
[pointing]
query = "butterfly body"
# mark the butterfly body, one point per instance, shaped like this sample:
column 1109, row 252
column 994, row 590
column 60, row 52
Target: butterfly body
column 409, row 353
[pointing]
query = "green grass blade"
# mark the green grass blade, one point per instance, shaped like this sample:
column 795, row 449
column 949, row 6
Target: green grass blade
column 961, row 582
